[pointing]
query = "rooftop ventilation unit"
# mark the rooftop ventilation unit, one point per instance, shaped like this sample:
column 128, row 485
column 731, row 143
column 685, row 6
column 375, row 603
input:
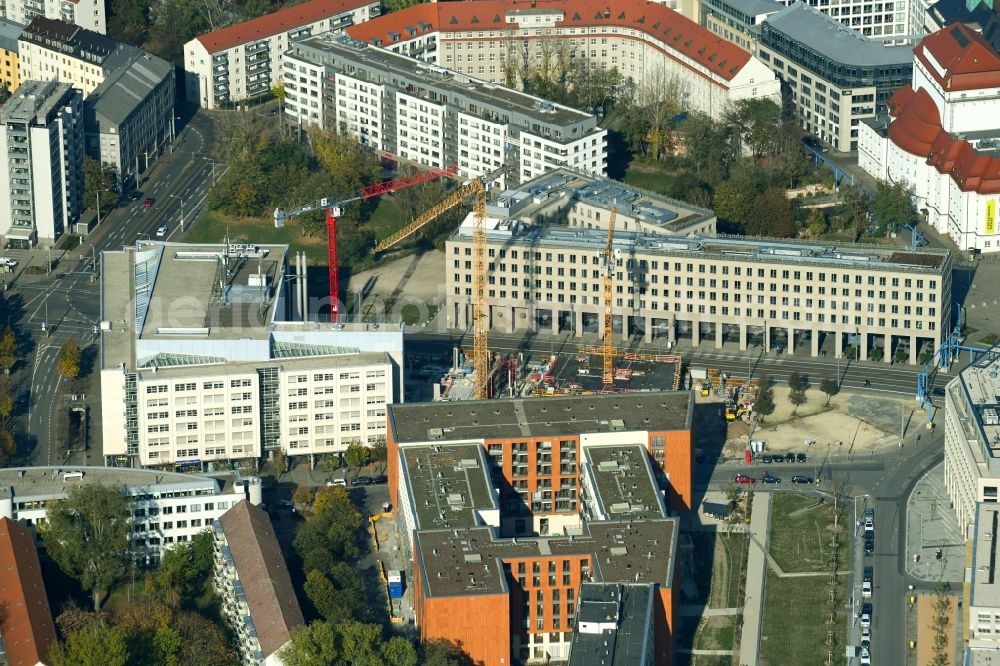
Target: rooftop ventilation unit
column 435, row 434
column 617, row 425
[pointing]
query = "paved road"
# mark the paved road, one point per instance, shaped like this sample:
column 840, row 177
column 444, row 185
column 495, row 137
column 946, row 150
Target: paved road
column 68, row 299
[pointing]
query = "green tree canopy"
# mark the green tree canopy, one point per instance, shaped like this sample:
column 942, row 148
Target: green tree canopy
column 891, row 208
column 98, row 182
column 68, row 362
column 94, row 645
column 829, row 387
column 87, row 535
column 771, row 215
column 8, row 349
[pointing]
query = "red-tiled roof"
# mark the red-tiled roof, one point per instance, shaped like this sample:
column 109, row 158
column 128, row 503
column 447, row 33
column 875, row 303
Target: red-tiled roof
column 681, row 34
column 264, row 575
column 917, row 130
column 282, row 20
column 968, row 60
column 26, row 625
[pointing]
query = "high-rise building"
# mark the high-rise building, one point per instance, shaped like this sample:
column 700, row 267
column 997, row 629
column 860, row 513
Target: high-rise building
column 243, row 61
column 432, row 116
column 10, row 67
column 41, row 175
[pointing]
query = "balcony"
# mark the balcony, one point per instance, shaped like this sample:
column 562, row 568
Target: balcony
column 254, row 49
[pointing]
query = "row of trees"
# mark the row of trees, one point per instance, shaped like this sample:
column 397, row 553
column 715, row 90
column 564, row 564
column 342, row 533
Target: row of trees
column 764, row 405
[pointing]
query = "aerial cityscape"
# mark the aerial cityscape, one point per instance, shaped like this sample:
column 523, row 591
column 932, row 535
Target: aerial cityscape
column 500, row 333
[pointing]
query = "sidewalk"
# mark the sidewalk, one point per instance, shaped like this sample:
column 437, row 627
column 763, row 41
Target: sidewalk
column 931, row 524
column 753, row 608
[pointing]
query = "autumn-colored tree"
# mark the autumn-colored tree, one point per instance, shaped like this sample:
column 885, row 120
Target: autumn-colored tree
column 95, row 645
column 302, row 496
column 6, row 399
column 8, row 445
column 8, row 349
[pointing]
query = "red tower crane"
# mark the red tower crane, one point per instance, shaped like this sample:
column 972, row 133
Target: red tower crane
column 335, row 208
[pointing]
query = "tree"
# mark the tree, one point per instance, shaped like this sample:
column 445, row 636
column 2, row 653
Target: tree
column 96, row 645
column 183, row 571
column 397, row 651
column 8, row 445
column 87, row 535
column 829, row 387
column 855, row 209
column 891, row 208
column 796, row 382
column 202, row 642
column 303, row 496
column 440, row 652
column 8, row 349
column 6, row 399
column 98, row 182
column 315, row 644
column 797, row 398
column 771, row 215
column 346, row 160
column 361, row 643
column 764, row 404
column 337, row 602
column 816, row 224
column 733, row 202
column 380, row 454
column 357, row 456
column 68, row 363
column 758, row 125
column 279, row 461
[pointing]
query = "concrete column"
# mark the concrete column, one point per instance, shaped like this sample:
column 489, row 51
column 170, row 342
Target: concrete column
column 719, row 329
column 625, row 331
column 743, row 337
column 791, row 340
column 887, row 349
column 671, row 330
column 814, row 340
column 838, row 344
column 555, row 321
column 695, row 333
column 647, row 333
column 508, row 314
column 863, row 341
column 578, row 319
column 913, row 350
column 766, row 338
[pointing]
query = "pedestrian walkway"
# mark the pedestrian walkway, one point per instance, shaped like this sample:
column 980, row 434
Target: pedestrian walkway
column 753, row 608
column 932, row 527
column 710, row 653
column 692, row 610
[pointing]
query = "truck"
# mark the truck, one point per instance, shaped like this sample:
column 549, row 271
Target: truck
column 395, row 579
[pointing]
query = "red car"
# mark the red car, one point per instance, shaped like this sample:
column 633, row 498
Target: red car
column 148, row 203
column 743, row 478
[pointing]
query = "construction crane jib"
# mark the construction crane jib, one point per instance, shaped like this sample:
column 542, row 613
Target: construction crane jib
column 608, row 287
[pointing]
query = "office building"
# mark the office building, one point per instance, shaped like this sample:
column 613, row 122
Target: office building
column 129, row 117
column 10, row 68
column 26, row 628
column 982, row 614
column 243, row 61
column 41, row 177
column 870, row 19
column 432, row 116
column 972, row 438
column 202, row 365
column 88, row 14
column 545, row 240
column 512, row 509
column 836, row 77
column 648, row 43
column 251, row 576
column 738, row 20
column 167, row 507
column 942, row 137
column 614, row 626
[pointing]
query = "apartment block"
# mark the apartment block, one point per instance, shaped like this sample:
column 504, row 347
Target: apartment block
column 88, row 14
column 649, row 44
column 836, row 77
column 167, row 507
column 942, row 137
column 251, row 576
column 41, row 177
column 406, row 109
column 982, row 617
column 26, row 628
column 244, row 61
column 614, row 625
column 738, row 20
column 870, row 19
column 202, row 363
column 10, row 67
column 972, row 438
column 511, row 511
column 545, row 271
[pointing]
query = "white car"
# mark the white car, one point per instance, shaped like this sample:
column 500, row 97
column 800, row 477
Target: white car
column 866, row 589
column 866, row 620
column 869, row 525
column 7, row 261
column 866, row 633
column 161, row 231
column 866, row 661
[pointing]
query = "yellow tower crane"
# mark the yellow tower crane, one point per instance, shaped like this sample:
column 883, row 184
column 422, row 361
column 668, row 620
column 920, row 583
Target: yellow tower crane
column 480, row 306
column 608, row 285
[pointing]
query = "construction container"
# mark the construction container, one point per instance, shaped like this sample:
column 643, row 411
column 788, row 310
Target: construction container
column 395, row 579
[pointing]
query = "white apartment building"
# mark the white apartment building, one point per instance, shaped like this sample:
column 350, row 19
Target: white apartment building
column 836, row 77
column 972, row 438
column 167, row 507
column 942, row 137
column 243, row 61
column 648, row 43
column 429, row 115
column 201, row 364
column 41, row 177
column 251, row 577
column 983, row 618
column 88, row 14
column 673, row 278
column 871, row 19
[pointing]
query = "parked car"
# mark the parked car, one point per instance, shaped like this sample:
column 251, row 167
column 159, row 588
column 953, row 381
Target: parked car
column 8, row 262
column 869, row 574
column 161, row 231
column 380, row 479
column 869, row 525
column 798, row 478
column 778, row 458
column 766, row 459
column 801, row 457
column 870, row 512
column 743, row 478
column 148, row 203
column 770, row 479
column 337, row 482
column 866, row 589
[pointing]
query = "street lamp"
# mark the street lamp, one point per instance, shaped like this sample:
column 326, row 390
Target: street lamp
column 181, row 199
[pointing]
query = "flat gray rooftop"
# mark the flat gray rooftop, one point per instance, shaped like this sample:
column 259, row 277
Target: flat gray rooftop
column 986, row 568
column 448, row 484
column 630, row 608
column 47, row 482
column 755, row 7
column 830, row 38
column 540, row 416
column 490, row 95
column 734, row 248
column 469, row 561
column 625, row 484
column 981, row 383
column 33, row 100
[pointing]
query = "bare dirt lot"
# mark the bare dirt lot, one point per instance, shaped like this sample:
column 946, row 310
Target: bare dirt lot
column 411, row 287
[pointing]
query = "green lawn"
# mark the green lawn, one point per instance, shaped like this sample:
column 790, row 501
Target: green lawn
column 719, row 571
column 717, row 633
column 213, row 227
column 795, row 615
column 647, row 176
column 803, row 542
